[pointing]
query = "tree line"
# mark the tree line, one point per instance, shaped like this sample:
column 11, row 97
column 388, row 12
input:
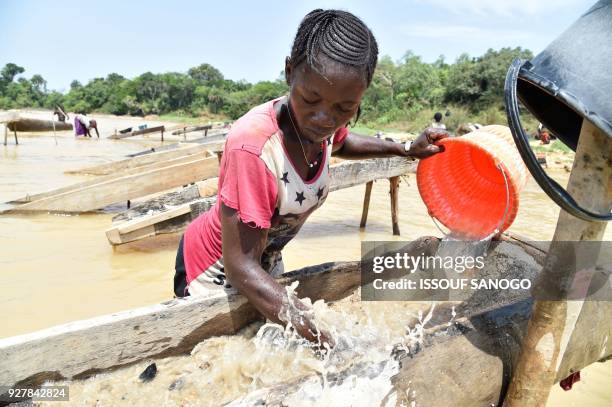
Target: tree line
column 399, row 90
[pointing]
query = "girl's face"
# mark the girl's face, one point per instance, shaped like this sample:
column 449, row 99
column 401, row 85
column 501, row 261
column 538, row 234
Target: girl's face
column 323, row 102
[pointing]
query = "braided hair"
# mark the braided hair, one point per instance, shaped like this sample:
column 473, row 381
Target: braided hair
column 340, row 36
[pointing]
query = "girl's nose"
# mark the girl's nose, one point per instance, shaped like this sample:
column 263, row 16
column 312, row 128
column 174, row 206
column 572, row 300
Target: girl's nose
column 324, row 120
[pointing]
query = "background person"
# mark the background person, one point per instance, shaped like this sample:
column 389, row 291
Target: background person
column 83, row 124
column 437, row 123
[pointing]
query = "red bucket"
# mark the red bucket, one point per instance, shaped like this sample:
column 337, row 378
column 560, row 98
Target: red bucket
column 473, row 187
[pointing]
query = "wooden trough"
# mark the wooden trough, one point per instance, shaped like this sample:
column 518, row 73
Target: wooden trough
column 16, row 123
column 173, row 212
column 465, row 362
column 119, row 187
column 36, row 125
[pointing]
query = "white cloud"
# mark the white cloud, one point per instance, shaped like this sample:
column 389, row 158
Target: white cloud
column 460, row 32
column 505, row 8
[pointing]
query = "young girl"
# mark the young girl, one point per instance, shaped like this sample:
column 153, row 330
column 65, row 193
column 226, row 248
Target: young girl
column 275, row 167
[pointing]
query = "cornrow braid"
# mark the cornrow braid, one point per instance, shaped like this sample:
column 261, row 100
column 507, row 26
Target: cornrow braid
column 339, row 35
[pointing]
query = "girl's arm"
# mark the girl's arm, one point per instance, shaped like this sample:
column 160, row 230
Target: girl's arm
column 242, row 248
column 361, row 147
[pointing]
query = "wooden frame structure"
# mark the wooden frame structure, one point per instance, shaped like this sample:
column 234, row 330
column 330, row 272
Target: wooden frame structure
column 171, row 213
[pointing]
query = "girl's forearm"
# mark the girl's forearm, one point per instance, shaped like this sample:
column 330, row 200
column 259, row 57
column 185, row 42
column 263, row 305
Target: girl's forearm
column 361, row 147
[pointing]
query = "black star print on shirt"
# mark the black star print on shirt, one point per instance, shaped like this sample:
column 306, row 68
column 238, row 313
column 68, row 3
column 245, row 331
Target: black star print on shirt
column 299, row 197
column 284, row 178
column 329, row 141
column 320, row 193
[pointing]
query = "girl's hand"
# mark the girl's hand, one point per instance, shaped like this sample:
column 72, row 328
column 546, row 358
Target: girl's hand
column 424, row 146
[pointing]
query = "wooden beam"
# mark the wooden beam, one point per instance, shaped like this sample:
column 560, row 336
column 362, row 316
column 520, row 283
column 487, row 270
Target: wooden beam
column 148, row 130
column 156, row 222
column 190, row 129
column 94, row 194
column 366, row 204
column 553, row 322
column 394, row 194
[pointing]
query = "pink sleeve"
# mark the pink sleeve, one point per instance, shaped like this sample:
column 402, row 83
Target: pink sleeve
column 249, row 188
column 340, row 136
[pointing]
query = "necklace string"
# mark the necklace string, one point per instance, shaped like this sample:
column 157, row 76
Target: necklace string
column 310, row 164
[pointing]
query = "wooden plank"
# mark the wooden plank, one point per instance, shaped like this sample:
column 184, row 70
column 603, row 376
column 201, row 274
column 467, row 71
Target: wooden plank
column 182, row 150
column 121, row 189
column 148, row 130
column 190, row 129
column 553, row 323
column 343, row 175
column 106, row 178
column 170, row 328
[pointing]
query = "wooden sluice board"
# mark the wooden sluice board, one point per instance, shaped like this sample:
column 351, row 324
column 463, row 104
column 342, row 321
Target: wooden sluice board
column 465, row 359
column 117, row 136
column 181, row 150
column 173, row 212
column 129, row 184
column 189, row 129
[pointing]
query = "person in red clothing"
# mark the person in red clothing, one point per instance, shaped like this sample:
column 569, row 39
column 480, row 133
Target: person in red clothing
column 275, row 167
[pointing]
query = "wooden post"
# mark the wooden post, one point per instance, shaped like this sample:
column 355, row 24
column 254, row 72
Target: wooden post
column 206, row 132
column 5, row 133
column 366, row 204
column 162, row 134
column 394, row 181
column 552, row 322
column 15, row 133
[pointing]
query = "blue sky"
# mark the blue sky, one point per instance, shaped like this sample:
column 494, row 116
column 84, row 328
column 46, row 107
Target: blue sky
column 69, row 39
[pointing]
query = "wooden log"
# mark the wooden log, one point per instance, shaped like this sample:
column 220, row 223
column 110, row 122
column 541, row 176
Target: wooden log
column 148, row 130
column 553, row 322
column 35, row 125
column 96, row 194
column 366, row 204
column 394, row 195
column 191, row 204
column 170, row 328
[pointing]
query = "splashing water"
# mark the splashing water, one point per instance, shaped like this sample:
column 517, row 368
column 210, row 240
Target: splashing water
column 268, row 360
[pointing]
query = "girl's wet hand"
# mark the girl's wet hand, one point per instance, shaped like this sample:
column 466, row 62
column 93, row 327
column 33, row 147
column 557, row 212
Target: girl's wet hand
column 424, row 146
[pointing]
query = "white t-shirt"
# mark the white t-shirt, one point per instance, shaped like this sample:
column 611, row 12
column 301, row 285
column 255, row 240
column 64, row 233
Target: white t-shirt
column 437, row 125
column 83, row 119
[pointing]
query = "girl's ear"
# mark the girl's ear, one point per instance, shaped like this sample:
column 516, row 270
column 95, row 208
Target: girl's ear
column 288, row 71
column 352, row 124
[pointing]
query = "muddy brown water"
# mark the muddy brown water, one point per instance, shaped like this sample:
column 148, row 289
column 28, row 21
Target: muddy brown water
column 58, row 268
